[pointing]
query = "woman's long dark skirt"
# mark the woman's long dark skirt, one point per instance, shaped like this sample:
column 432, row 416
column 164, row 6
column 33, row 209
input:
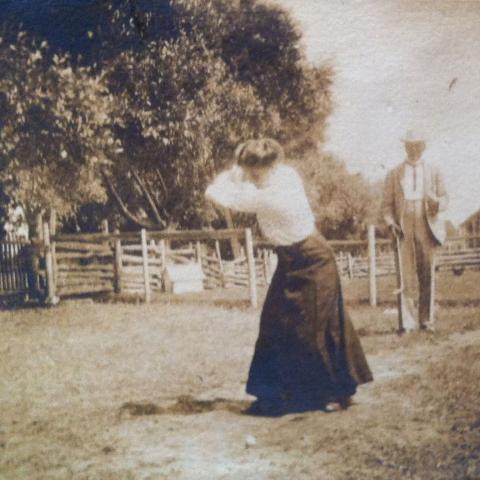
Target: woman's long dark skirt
column 307, row 353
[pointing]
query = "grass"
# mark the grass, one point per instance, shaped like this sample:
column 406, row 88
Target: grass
column 436, row 435
column 451, row 289
column 116, row 391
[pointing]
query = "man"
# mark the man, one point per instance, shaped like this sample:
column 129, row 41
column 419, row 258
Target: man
column 414, row 198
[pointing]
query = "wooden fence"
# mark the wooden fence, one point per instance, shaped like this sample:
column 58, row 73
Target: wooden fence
column 80, row 267
column 135, row 263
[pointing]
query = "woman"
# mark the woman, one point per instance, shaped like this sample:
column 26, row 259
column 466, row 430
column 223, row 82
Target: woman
column 307, row 353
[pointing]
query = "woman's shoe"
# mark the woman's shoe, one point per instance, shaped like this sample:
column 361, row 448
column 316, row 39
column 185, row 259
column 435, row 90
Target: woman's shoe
column 265, row 408
column 344, row 402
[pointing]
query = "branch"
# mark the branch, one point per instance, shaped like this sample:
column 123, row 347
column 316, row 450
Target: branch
column 148, row 196
column 161, row 208
column 122, row 205
column 162, row 181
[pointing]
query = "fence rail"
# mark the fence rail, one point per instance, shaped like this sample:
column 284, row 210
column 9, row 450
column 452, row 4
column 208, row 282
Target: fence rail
column 135, row 262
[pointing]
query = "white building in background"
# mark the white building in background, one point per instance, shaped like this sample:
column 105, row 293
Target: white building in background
column 16, row 225
column 471, row 228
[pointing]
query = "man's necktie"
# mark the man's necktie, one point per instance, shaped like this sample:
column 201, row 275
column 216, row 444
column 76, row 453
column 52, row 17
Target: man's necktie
column 414, row 178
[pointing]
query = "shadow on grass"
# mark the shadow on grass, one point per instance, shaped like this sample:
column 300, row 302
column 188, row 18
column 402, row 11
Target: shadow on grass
column 21, row 304
column 368, row 332
column 187, row 405
column 208, row 298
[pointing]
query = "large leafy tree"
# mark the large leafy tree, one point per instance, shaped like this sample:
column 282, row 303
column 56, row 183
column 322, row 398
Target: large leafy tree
column 149, row 125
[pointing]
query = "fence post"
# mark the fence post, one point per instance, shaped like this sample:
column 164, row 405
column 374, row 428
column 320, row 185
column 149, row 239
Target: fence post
column 350, row 265
column 198, row 250
column 252, row 280
column 146, row 274
column 51, row 297
column 53, row 231
column 220, row 263
column 372, row 267
column 118, row 264
column 39, row 226
column 163, row 254
column 9, row 263
column 105, row 226
column 266, row 272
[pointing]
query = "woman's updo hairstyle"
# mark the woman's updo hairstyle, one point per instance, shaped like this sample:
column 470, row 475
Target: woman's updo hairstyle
column 264, row 152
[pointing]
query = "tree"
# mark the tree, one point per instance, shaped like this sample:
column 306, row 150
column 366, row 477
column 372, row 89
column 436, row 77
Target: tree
column 174, row 105
column 343, row 203
column 232, row 71
column 260, row 44
column 55, row 136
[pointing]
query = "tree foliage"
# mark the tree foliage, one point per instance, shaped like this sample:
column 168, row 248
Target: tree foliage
column 55, row 132
column 149, row 126
column 231, row 71
column 170, row 94
column 343, row 203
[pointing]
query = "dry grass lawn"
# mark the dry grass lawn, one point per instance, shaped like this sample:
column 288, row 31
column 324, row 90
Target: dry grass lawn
column 123, row 391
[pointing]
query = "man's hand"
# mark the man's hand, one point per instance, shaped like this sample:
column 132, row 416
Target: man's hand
column 395, row 230
column 433, row 205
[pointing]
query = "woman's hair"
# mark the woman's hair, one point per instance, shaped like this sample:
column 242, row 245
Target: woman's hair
column 263, row 152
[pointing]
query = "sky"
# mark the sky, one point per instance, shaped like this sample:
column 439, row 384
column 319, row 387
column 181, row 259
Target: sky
column 401, row 65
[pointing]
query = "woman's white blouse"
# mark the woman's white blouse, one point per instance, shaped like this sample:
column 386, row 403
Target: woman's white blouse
column 281, row 205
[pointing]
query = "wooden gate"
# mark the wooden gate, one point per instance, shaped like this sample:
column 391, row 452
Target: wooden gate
column 14, row 267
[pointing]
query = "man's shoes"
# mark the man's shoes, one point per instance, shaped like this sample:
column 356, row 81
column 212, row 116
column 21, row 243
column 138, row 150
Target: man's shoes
column 427, row 328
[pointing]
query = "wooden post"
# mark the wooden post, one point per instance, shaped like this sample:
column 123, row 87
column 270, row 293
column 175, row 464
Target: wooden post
column 53, row 231
column 39, row 226
column 105, row 226
column 198, row 250
column 350, row 265
column 163, row 254
column 118, row 265
column 272, row 263
column 2, row 263
column 156, row 270
column 146, row 274
column 372, row 267
column 266, row 271
column 53, row 221
column 252, row 277
column 220, row 263
column 9, row 262
column 51, row 297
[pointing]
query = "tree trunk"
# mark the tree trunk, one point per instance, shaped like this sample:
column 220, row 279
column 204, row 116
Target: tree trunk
column 234, row 242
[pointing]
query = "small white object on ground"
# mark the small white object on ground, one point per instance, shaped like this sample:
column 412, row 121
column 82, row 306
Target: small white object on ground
column 390, row 311
column 250, row 441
